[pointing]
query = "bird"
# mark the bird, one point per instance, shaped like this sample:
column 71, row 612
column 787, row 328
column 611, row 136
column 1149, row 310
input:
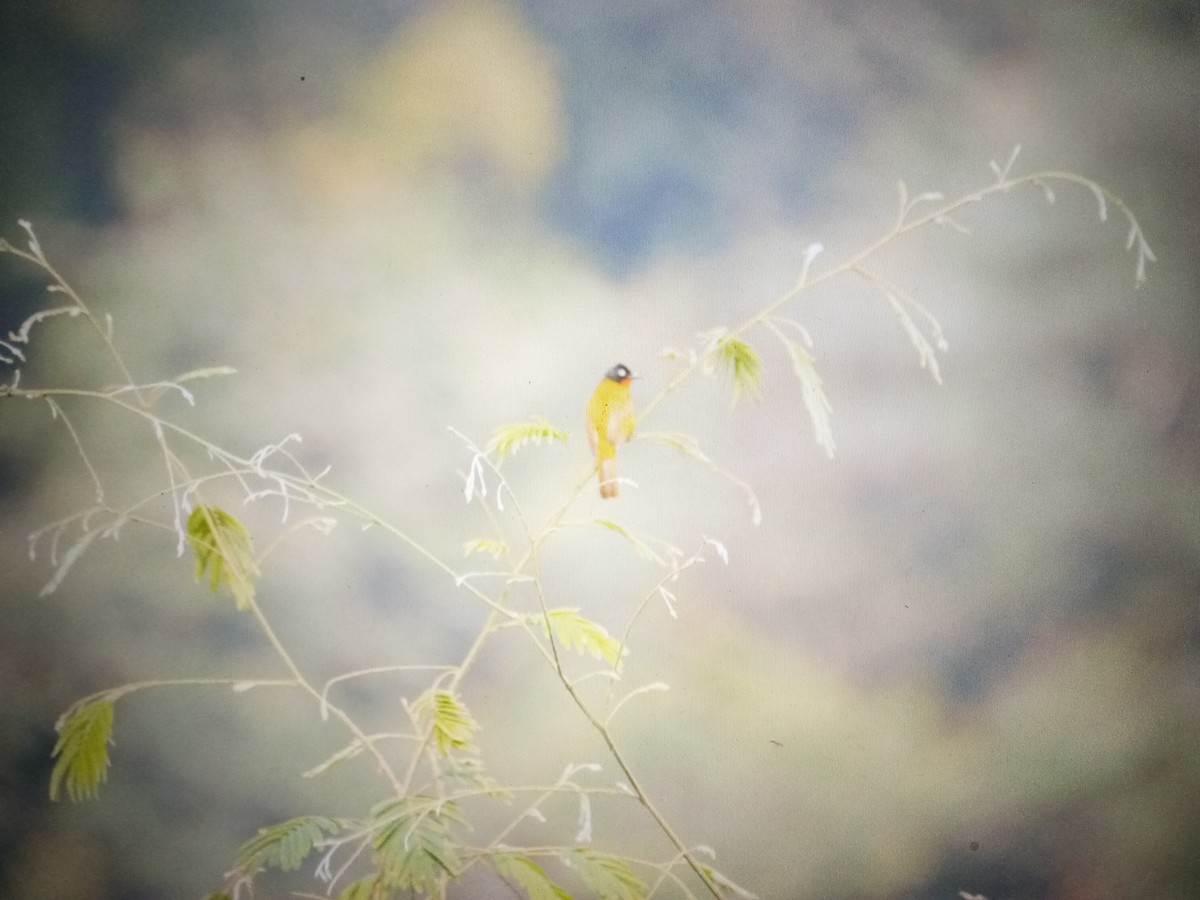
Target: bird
column 610, row 420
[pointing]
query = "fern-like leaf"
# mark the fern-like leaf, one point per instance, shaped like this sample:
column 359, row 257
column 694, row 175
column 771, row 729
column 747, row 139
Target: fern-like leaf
column 453, row 725
column 468, row 771
column 812, row 391
column 510, row 438
column 283, row 846
column 609, row 876
column 368, row 888
column 640, row 545
column 223, row 550
column 925, row 350
column 743, row 364
column 686, row 444
column 728, row 888
column 413, row 844
column 528, row 875
column 574, row 632
column 63, row 566
column 680, row 443
column 81, row 752
column 493, row 548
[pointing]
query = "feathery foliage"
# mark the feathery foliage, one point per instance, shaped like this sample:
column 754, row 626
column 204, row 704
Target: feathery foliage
column 609, row 876
column 575, row 632
column 528, row 875
column 452, row 725
column 729, row 888
column 812, row 390
column 223, row 550
column 510, row 438
column 493, row 548
column 640, row 545
column 284, row 846
column 742, row 364
column 81, row 752
column 413, row 842
column 368, row 888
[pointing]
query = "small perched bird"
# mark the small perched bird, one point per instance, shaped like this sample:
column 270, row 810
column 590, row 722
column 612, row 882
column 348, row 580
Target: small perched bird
column 610, row 420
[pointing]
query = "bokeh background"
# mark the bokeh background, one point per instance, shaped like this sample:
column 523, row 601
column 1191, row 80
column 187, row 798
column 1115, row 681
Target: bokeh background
column 961, row 655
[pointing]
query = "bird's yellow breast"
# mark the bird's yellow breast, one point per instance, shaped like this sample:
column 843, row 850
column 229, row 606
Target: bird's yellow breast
column 610, row 416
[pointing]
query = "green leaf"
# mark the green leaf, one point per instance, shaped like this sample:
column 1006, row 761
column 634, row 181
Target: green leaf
column 510, row 438
column 81, row 751
column 414, row 846
column 680, row 443
column 468, row 771
column 686, row 444
column 727, row 887
column 453, row 726
column 743, row 364
column 283, row 846
column 222, row 547
column 609, row 876
column 351, row 750
column 493, row 548
column 74, row 552
column 528, row 875
column 573, row 632
column 368, row 888
column 207, row 372
column 925, row 351
column 640, row 546
column 219, row 895
column 813, row 393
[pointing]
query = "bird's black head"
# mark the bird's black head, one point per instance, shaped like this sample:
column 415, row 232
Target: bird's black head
column 619, row 372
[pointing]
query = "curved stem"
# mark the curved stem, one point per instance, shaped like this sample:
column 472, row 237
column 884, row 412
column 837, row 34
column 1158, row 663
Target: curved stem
column 904, row 225
column 338, row 713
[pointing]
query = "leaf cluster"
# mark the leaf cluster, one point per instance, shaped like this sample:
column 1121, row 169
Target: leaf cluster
column 609, row 876
column 223, row 549
column 412, row 846
column 575, row 632
column 449, row 721
column 740, row 362
column 413, row 842
column 283, row 846
column 529, row 876
column 510, row 438
column 81, row 752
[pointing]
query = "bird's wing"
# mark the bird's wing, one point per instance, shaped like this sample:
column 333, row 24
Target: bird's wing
column 592, row 433
column 620, row 423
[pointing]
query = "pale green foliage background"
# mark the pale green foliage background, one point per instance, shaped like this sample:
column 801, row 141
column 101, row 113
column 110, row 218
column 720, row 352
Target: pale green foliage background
column 959, row 655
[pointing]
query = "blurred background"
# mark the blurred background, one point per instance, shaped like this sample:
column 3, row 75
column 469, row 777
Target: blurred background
column 963, row 654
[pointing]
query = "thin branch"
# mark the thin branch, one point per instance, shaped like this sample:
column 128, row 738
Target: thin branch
column 57, row 411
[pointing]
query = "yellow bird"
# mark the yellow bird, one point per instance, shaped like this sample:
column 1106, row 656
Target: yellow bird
column 610, row 421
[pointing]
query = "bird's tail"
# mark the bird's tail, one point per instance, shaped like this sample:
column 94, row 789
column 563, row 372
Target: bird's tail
column 606, row 469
